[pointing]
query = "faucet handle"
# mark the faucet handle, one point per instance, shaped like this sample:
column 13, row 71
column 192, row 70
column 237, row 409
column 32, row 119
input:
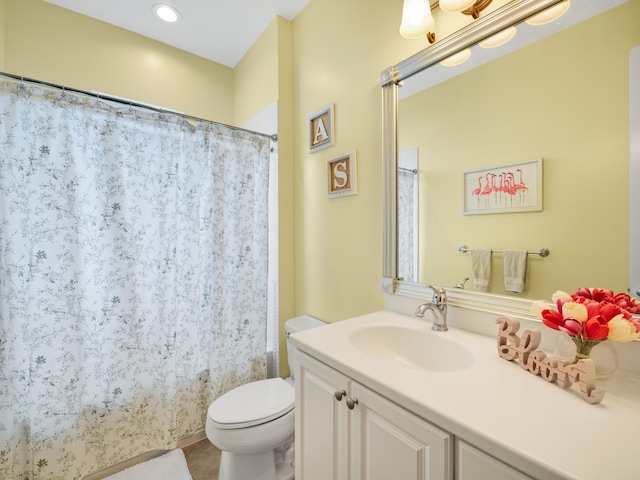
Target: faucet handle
column 439, row 295
column 461, row 283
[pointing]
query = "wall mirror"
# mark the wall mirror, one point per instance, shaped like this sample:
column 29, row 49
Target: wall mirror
column 558, row 93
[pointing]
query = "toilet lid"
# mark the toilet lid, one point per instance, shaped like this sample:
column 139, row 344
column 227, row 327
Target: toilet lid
column 252, row 404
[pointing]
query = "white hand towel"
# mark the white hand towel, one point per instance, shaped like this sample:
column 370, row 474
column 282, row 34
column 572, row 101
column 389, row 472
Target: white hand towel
column 481, row 265
column 515, row 270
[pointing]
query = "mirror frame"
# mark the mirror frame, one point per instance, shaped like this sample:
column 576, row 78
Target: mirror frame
column 503, row 17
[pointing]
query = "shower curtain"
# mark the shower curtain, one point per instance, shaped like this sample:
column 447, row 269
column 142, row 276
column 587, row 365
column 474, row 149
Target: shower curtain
column 133, row 277
column 408, row 225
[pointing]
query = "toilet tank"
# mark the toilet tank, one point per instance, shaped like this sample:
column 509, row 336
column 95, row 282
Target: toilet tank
column 293, row 325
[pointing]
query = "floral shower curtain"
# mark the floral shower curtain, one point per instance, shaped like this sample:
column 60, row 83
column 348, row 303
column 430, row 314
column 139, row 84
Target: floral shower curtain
column 407, row 225
column 133, row 278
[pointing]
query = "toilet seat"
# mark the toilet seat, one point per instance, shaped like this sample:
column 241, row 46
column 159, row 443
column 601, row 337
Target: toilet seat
column 252, row 404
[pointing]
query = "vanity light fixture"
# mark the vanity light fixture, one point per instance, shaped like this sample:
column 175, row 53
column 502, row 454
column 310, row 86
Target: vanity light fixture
column 166, row 13
column 418, row 21
column 550, row 14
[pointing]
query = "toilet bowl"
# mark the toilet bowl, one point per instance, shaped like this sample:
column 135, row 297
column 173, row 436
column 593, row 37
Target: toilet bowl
column 253, row 425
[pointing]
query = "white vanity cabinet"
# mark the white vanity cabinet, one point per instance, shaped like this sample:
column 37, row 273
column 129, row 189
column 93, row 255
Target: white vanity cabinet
column 488, row 421
column 473, row 464
column 346, row 431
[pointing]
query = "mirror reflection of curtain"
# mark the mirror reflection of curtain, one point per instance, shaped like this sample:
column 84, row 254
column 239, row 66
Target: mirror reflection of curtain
column 408, row 215
column 133, row 278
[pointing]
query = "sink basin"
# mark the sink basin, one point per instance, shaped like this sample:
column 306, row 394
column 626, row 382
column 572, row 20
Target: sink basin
column 412, row 348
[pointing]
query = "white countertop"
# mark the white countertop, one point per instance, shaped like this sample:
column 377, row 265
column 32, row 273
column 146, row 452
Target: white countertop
column 535, row 426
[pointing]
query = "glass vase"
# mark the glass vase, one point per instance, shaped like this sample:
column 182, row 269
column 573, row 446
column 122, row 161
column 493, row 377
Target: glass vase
column 602, row 352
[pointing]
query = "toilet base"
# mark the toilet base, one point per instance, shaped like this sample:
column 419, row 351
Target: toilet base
column 275, row 464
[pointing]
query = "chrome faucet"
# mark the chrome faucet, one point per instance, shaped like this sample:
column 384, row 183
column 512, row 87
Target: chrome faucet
column 438, row 306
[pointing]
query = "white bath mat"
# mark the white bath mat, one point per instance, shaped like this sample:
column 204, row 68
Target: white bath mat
column 170, row 466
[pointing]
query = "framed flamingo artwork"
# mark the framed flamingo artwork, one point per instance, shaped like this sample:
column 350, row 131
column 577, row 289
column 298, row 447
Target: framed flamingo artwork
column 504, row 189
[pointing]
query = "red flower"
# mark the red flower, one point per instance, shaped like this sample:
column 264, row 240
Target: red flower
column 596, row 328
column 608, row 311
column 552, row 319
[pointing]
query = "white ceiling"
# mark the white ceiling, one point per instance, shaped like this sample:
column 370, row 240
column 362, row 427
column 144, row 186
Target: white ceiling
column 219, row 30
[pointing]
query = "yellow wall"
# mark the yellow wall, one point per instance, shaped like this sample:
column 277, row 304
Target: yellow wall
column 264, row 75
column 53, row 44
column 256, row 76
column 551, row 101
column 285, row 183
column 2, row 33
column 340, row 49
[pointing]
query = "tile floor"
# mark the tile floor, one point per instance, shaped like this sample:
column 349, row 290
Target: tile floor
column 203, row 460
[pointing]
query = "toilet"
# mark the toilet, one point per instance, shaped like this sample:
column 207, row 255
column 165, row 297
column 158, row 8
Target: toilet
column 253, row 424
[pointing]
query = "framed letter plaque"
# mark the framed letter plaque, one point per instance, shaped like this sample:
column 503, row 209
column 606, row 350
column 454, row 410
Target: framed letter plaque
column 321, row 129
column 342, row 176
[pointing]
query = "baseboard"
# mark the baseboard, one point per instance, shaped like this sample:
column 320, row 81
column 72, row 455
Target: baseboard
column 143, row 457
column 191, row 439
column 118, row 467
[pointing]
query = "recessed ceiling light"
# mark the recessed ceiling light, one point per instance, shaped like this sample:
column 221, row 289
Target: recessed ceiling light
column 166, row 12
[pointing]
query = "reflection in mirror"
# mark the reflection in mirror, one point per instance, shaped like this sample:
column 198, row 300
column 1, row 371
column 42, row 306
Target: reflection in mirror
column 563, row 98
column 408, row 204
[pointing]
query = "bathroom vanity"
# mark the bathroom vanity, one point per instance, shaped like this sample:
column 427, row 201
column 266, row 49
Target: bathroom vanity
column 372, row 404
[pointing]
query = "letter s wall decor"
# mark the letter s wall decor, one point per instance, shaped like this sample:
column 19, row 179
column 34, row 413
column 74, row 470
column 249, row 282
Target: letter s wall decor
column 342, row 176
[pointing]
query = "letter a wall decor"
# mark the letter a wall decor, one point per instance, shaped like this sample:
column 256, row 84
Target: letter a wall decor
column 342, row 175
column 321, row 129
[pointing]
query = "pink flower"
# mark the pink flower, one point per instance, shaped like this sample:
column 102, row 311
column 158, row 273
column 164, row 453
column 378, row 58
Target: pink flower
column 571, row 326
column 583, row 292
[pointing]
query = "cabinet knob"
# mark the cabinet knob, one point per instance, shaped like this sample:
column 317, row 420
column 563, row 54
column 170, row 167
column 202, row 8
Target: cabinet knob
column 339, row 394
column 351, row 403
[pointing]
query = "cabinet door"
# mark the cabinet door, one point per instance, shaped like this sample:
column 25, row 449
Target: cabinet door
column 321, row 422
column 391, row 443
column 473, row 464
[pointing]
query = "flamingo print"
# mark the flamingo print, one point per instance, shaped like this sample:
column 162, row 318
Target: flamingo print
column 501, row 190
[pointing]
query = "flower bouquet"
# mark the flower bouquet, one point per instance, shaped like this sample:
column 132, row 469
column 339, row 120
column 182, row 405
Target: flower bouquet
column 590, row 316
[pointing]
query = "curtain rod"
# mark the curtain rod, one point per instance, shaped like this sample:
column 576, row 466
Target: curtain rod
column 126, row 101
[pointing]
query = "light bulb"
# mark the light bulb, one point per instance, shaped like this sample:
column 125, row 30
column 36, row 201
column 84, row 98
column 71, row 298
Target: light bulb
column 455, row 5
column 416, row 19
column 457, row 58
column 499, row 38
column 550, row 14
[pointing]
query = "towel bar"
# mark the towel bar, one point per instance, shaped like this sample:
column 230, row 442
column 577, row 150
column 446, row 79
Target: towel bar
column 543, row 252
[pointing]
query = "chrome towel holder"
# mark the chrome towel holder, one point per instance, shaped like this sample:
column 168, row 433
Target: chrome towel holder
column 543, row 252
